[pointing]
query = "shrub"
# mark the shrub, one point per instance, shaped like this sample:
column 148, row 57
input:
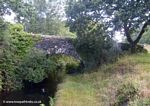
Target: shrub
column 16, row 44
column 126, row 47
column 125, row 93
column 21, row 41
column 141, row 49
column 37, row 66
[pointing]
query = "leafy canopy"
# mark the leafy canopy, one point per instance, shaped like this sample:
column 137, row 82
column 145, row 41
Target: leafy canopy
column 121, row 15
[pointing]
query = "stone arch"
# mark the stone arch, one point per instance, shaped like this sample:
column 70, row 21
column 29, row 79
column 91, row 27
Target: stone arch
column 58, row 45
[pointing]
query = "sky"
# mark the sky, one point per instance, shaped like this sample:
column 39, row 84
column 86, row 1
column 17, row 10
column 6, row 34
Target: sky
column 10, row 18
column 119, row 37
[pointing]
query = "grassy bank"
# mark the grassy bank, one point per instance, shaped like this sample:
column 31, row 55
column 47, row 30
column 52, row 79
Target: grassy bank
column 125, row 82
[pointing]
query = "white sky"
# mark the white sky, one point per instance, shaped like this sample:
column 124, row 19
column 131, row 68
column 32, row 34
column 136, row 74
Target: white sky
column 10, row 18
column 119, row 37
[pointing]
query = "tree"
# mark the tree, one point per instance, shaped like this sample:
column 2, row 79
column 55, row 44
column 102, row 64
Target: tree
column 4, row 4
column 22, row 10
column 128, row 15
column 37, row 16
column 93, row 42
column 121, row 15
column 47, row 18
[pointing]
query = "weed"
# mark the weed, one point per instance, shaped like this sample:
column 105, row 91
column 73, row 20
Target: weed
column 125, row 93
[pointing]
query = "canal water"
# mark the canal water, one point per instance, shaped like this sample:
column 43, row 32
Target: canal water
column 32, row 94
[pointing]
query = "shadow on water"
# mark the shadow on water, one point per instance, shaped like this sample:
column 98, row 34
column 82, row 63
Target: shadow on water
column 32, row 94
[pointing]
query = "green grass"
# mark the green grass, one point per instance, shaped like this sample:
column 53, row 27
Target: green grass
column 100, row 87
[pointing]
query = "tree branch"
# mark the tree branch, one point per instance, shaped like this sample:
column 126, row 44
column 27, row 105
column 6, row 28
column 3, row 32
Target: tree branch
column 142, row 31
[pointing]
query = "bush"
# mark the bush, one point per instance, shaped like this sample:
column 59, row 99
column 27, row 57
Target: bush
column 16, row 43
column 125, row 93
column 126, row 47
column 21, row 41
column 141, row 49
column 37, row 66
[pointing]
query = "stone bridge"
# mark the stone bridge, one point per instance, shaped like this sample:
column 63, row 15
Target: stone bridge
column 57, row 45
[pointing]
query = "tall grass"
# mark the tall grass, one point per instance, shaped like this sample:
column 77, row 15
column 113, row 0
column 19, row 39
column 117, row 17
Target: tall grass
column 100, row 87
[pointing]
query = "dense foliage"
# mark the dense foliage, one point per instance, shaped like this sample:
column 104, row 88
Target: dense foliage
column 93, row 42
column 37, row 66
column 3, row 43
column 21, row 61
column 45, row 17
column 93, row 24
column 15, row 44
column 115, row 15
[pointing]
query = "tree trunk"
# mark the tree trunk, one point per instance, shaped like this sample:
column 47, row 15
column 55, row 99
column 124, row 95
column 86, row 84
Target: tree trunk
column 129, row 39
column 134, row 43
column 133, row 47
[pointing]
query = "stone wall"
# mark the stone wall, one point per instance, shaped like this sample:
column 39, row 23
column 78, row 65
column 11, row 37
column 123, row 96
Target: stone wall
column 57, row 45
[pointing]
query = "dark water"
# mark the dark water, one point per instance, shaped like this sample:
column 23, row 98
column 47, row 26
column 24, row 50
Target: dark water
column 19, row 98
column 33, row 94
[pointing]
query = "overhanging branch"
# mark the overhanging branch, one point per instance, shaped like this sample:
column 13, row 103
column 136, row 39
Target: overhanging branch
column 142, row 31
